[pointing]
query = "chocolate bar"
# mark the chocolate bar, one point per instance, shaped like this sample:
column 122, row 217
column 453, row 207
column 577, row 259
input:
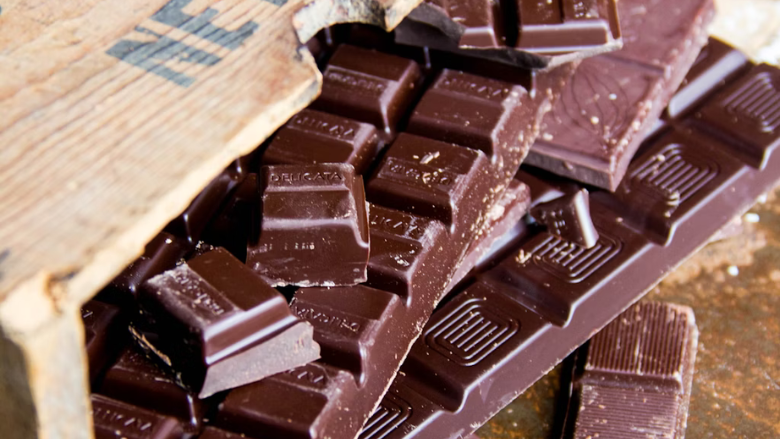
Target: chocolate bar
column 218, row 325
column 488, row 343
column 314, row 227
column 637, row 374
column 614, row 100
column 529, row 33
column 430, row 195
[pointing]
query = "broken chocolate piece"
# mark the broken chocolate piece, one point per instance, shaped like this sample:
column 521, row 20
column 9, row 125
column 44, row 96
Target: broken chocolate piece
column 429, row 178
column 568, row 217
column 314, row 228
column 369, row 86
column 219, row 326
column 636, row 380
column 614, row 100
column 317, row 137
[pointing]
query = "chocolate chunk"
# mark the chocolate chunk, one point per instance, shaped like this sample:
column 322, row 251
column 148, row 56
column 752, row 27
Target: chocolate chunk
column 289, row 403
column 162, row 253
column 637, row 376
column 191, row 223
column 528, row 33
column 614, row 100
column 347, row 322
column 219, row 326
column 429, row 178
column 233, row 227
column 138, row 380
column 568, row 217
column 473, row 111
column 369, row 86
column 402, row 245
column 475, row 355
column 216, row 433
column 314, row 228
column 317, row 137
column 114, row 419
column 104, row 332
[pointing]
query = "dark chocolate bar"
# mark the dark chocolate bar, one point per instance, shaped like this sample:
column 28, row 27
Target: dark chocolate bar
column 488, row 343
column 314, row 227
column 430, row 195
column 568, row 217
column 528, row 33
column 636, row 376
column 217, row 325
column 614, row 100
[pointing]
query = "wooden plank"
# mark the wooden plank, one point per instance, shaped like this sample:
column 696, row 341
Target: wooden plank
column 113, row 116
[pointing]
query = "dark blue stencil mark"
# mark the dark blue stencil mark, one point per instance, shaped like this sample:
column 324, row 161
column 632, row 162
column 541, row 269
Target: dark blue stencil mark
column 151, row 56
column 3, row 256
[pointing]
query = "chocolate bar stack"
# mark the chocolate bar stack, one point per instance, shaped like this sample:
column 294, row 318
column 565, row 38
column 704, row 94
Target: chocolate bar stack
column 383, row 267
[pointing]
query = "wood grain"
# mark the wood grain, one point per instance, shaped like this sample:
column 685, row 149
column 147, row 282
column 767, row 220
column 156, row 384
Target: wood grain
column 113, row 116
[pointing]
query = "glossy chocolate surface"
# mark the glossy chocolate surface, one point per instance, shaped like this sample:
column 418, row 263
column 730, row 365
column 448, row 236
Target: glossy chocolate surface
column 488, row 343
column 314, row 226
column 637, row 375
column 568, row 217
column 104, row 332
column 114, row 419
column 529, row 33
column 218, row 325
column 614, row 100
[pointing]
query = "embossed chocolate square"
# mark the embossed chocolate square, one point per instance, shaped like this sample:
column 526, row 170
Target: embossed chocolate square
column 314, row 229
column 369, row 86
column 219, row 326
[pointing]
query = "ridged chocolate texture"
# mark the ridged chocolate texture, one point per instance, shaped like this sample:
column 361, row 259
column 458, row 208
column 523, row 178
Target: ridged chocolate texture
column 219, row 326
column 114, row 419
column 569, row 218
column 317, row 137
column 138, row 380
column 529, row 33
column 366, row 332
column 314, row 226
column 544, row 300
column 369, row 86
column 104, row 332
column 615, row 99
column 636, row 381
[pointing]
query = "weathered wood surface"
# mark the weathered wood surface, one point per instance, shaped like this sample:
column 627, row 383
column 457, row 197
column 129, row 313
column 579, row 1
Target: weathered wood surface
column 113, row 116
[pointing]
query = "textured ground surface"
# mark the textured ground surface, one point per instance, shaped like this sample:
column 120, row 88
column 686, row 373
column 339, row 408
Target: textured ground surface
column 733, row 287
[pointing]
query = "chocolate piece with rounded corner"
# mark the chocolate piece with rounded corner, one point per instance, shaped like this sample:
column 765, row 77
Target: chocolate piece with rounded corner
column 369, row 86
column 218, row 325
column 314, row 227
column 568, row 217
